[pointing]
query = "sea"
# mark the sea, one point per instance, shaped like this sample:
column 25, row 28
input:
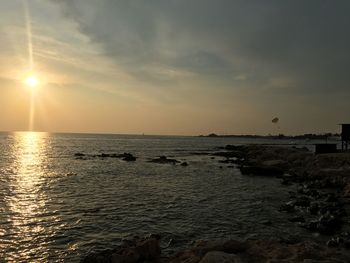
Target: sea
column 55, row 207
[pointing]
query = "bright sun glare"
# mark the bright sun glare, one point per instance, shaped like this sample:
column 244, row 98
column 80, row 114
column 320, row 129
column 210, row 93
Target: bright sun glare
column 32, row 81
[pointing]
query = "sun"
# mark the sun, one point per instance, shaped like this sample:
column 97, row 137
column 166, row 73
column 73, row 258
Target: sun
column 32, row 81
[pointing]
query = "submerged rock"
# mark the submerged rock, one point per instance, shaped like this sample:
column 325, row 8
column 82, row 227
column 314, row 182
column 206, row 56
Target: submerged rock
column 164, row 160
column 128, row 157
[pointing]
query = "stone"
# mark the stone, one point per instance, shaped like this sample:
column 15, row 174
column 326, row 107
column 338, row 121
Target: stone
column 220, row 257
column 137, row 250
column 299, row 219
column 261, row 170
column 275, row 163
column 128, row 157
column 164, row 160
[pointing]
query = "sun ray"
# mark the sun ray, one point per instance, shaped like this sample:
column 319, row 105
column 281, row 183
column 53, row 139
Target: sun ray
column 29, row 34
column 31, row 81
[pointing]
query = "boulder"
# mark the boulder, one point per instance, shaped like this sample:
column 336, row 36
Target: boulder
column 220, row 257
column 139, row 250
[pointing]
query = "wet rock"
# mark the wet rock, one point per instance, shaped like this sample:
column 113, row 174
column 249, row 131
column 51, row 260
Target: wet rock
column 128, row 157
column 302, row 201
column 227, row 246
column 164, row 160
column 326, row 225
column 139, row 250
column 314, row 208
column 105, row 155
column 288, row 207
column 220, row 257
column 261, row 170
column 275, row 163
column 332, row 243
column 298, row 219
column 331, row 198
column 229, row 154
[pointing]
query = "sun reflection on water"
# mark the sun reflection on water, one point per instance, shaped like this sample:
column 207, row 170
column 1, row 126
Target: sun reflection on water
column 27, row 198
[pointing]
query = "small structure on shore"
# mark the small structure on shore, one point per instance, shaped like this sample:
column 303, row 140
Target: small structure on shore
column 325, row 148
column 345, row 136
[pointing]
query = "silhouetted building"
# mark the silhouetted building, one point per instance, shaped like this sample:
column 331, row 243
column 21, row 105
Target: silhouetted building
column 345, row 136
column 325, row 148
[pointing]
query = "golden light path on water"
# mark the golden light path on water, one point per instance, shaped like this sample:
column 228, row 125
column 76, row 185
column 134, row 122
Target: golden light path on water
column 27, row 200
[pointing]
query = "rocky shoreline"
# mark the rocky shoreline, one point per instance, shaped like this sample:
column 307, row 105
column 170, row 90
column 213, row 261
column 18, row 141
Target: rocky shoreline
column 319, row 205
column 218, row 251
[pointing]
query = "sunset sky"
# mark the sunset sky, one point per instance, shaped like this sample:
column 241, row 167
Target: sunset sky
column 184, row 67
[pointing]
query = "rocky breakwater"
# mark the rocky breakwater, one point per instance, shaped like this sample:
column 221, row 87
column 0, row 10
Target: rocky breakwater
column 249, row 251
column 323, row 185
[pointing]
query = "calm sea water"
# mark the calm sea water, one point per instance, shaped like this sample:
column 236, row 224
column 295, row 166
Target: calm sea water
column 56, row 208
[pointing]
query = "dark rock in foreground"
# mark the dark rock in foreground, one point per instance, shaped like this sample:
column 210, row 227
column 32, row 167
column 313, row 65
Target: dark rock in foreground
column 251, row 251
column 137, row 250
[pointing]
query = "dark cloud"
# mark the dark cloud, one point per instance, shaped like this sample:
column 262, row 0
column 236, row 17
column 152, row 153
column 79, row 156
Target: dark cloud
column 302, row 44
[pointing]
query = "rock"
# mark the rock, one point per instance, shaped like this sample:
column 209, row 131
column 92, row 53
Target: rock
column 227, row 246
column 332, row 243
column 326, row 225
column 229, row 154
column 79, row 154
column 275, row 163
column 331, row 198
column 288, row 207
column 261, row 170
column 128, row 157
column 184, row 164
column 138, row 250
column 299, row 219
column 164, row 160
column 314, row 208
column 220, row 257
column 302, row 201
column 148, row 249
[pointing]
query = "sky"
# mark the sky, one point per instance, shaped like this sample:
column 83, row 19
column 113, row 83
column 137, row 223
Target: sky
column 181, row 67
